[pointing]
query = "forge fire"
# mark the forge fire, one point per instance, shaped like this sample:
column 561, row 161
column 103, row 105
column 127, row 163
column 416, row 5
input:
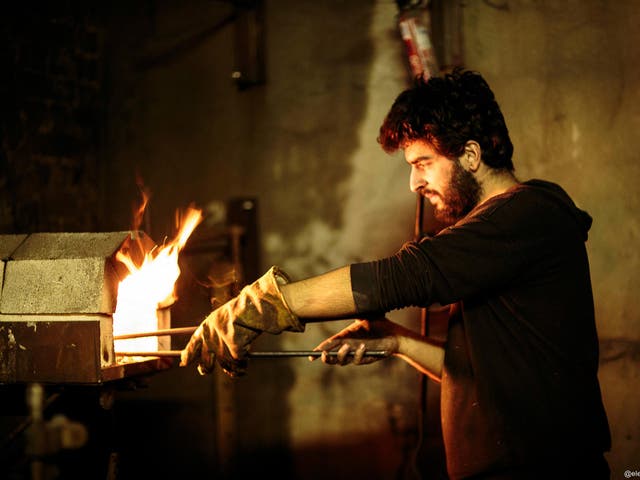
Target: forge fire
column 149, row 287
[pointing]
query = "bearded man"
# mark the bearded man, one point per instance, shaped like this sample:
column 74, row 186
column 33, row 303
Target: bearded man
column 520, row 397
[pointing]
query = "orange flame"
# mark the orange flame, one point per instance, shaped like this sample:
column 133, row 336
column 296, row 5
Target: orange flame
column 148, row 286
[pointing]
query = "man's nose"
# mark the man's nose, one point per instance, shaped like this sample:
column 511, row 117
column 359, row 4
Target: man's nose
column 416, row 181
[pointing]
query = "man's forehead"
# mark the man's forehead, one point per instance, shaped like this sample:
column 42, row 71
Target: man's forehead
column 418, row 148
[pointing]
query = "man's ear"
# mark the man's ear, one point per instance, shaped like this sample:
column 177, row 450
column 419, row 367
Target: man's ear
column 472, row 156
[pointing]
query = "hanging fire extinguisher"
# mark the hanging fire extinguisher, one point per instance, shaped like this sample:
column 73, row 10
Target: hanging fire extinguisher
column 414, row 25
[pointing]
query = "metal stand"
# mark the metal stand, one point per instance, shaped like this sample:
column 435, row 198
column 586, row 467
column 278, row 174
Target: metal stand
column 45, row 439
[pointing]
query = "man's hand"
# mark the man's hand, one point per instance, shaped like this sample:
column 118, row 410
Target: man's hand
column 354, row 341
column 228, row 331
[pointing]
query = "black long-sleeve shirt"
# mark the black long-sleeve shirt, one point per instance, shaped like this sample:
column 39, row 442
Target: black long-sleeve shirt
column 519, row 383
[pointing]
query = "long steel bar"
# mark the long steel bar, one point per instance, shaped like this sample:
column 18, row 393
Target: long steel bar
column 272, row 354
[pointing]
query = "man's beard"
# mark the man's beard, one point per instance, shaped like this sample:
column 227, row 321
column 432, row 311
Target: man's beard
column 461, row 194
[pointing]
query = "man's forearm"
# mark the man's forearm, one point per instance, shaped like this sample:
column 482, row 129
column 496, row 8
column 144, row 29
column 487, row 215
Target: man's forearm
column 422, row 353
column 322, row 297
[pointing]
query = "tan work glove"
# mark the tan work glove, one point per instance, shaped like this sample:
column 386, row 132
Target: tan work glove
column 229, row 330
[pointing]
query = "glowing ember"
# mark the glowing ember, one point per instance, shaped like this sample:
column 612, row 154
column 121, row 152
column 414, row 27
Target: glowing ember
column 149, row 286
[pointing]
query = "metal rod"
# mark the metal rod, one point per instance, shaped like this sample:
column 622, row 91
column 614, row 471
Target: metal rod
column 159, row 353
column 157, row 333
column 311, row 353
column 272, row 354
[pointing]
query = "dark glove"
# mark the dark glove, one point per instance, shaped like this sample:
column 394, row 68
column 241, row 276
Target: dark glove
column 361, row 336
column 229, row 330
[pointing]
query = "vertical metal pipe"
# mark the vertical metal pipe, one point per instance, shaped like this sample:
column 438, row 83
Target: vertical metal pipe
column 35, row 402
column 424, row 328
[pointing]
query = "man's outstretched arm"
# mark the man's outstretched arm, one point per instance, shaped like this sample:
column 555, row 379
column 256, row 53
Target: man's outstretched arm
column 323, row 297
column 352, row 343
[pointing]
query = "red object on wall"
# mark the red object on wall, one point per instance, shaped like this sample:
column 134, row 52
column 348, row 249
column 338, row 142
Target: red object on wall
column 414, row 28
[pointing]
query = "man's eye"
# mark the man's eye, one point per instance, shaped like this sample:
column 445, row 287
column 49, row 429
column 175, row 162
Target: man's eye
column 421, row 164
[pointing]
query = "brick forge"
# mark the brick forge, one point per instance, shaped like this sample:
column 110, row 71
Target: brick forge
column 59, row 293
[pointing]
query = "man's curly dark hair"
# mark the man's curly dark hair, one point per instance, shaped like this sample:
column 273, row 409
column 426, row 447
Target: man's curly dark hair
column 447, row 112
